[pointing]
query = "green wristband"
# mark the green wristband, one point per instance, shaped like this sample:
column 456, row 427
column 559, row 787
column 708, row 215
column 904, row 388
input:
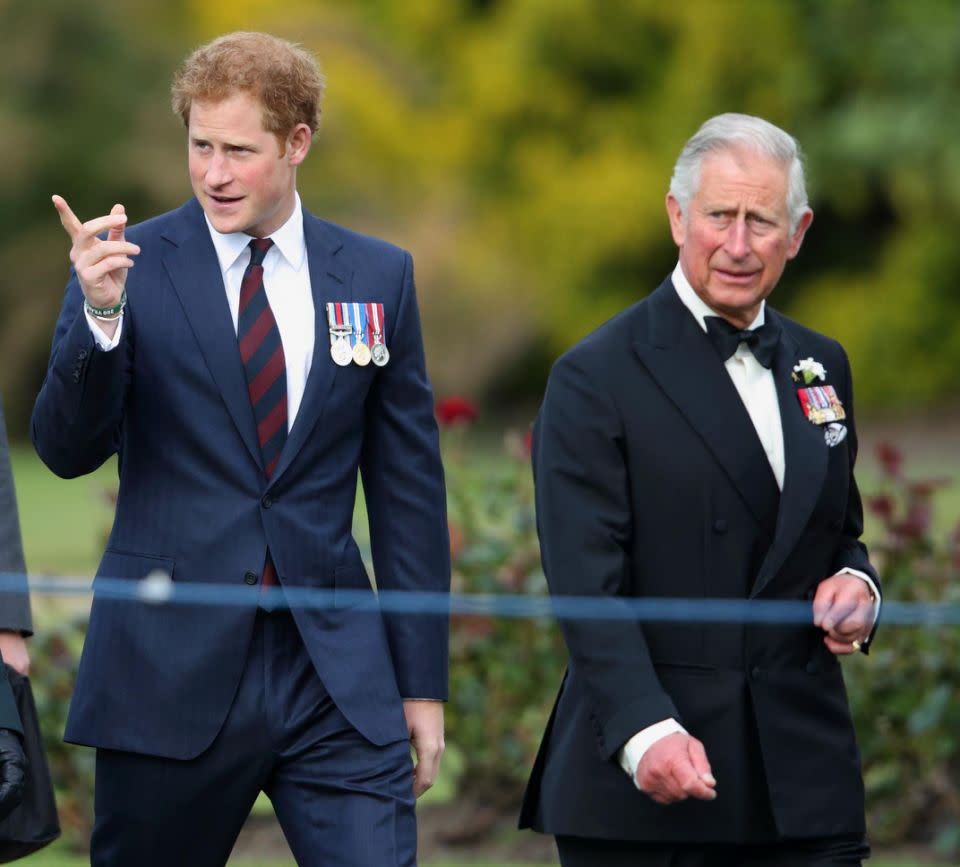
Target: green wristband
column 106, row 313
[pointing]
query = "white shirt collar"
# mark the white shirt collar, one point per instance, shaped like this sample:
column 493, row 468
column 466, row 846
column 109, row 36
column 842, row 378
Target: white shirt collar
column 698, row 307
column 288, row 239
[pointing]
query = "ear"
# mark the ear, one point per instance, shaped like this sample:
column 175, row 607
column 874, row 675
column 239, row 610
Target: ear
column 678, row 225
column 299, row 140
column 796, row 239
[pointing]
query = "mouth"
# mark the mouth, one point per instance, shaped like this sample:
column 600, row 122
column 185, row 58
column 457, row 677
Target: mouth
column 736, row 277
column 223, row 201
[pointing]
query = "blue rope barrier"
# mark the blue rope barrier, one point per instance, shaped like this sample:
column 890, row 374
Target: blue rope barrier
column 159, row 589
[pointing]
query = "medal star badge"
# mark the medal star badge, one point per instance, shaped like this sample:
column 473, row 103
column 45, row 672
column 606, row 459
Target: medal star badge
column 834, row 433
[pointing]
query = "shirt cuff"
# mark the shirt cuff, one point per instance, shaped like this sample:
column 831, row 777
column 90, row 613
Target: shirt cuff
column 875, row 592
column 635, row 748
column 101, row 339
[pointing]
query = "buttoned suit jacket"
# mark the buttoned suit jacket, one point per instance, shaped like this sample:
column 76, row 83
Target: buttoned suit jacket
column 171, row 400
column 651, row 482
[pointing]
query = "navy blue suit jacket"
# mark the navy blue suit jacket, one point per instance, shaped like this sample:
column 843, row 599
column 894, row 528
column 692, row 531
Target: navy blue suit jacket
column 193, row 501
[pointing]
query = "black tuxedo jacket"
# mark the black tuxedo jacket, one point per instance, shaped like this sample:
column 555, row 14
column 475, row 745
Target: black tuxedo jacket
column 651, row 481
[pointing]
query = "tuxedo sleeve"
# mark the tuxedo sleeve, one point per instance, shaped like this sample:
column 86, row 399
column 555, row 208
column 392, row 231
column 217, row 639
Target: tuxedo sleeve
column 77, row 416
column 851, row 553
column 584, row 520
column 406, row 503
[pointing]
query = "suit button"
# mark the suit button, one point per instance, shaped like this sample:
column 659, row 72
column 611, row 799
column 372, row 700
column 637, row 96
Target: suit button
column 267, row 501
column 755, row 672
column 720, row 525
column 250, row 577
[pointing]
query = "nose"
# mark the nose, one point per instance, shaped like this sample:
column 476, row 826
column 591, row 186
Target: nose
column 737, row 242
column 218, row 171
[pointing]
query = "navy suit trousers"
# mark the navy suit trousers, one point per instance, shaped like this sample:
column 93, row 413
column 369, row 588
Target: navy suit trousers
column 340, row 800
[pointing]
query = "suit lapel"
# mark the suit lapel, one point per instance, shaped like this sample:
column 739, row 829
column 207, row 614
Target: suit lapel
column 679, row 356
column 805, row 458
column 329, row 281
column 194, row 271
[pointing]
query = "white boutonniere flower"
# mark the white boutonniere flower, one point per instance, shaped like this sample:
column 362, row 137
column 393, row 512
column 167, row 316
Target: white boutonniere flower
column 809, row 370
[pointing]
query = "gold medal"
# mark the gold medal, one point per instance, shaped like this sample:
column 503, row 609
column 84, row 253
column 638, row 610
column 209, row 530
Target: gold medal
column 361, row 353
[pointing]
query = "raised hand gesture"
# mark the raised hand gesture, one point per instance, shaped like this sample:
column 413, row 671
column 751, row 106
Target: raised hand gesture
column 101, row 264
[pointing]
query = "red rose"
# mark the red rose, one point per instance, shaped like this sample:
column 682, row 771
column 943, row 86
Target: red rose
column 455, row 410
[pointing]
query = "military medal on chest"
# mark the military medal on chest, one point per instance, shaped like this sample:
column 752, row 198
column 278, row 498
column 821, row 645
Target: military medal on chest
column 340, row 332
column 378, row 351
column 361, row 352
column 821, row 404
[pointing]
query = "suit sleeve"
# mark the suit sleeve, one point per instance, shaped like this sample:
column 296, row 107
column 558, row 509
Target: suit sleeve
column 406, row 502
column 584, row 519
column 14, row 597
column 77, row 416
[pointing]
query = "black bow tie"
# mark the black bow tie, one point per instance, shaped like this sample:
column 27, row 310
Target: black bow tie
column 726, row 338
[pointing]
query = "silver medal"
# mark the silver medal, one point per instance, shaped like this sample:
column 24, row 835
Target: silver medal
column 380, row 354
column 340, row 351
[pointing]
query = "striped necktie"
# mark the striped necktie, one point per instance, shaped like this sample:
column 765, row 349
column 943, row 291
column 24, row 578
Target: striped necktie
column 263, row 362
column 265, row 368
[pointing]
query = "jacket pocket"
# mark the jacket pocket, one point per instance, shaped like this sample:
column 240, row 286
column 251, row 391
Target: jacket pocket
column 352, row 587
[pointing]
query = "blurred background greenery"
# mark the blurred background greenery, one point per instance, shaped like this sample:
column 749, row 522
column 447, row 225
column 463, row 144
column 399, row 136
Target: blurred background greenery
column 521, row 149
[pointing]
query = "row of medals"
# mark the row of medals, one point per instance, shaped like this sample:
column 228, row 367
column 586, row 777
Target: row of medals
column 342, row 353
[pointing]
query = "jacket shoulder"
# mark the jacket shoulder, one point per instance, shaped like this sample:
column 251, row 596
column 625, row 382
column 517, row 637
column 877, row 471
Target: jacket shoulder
column 356, row 243
column 808, row 339
column 608, row 340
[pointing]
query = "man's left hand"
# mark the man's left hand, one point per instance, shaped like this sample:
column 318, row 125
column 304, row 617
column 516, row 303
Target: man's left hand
column 843, row 609
column 425, row 725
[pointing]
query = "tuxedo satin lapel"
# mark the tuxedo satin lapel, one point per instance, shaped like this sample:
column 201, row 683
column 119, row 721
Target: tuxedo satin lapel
column 329, row 281
column 194, row 271
column 679, row 356
column 805, row 458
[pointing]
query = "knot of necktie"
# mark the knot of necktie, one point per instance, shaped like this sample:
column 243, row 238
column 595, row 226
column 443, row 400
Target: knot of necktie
column 258, row 249
column 726, row 338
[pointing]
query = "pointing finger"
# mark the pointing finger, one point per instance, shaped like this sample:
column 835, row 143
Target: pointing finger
column 67, row 218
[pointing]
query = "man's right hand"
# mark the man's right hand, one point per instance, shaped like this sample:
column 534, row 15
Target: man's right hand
column 101, row 265
column 676, row 768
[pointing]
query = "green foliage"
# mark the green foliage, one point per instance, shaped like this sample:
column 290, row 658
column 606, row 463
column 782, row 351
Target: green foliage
column 522, row 151
column 504, row 672
column 906, row 695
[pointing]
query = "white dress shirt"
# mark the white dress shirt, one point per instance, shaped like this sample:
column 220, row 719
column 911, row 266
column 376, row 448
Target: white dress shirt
column 758, row 391
column 286, row 279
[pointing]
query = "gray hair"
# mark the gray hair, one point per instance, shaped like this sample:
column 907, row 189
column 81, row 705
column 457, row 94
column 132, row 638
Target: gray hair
column 729, row 131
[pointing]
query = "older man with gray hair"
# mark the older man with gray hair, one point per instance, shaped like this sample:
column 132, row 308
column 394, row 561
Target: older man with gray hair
column 700, row 445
